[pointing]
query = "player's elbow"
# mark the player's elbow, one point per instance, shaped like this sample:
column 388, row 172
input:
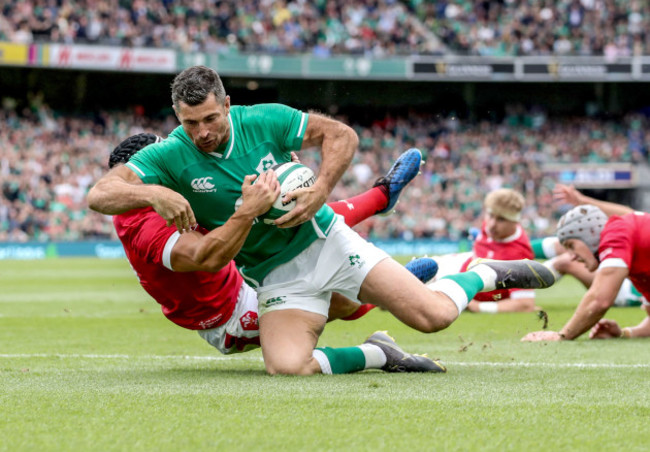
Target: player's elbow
column 599, row 305
column 343, row 137
column 350, row 136
column 94, row 200
column 602, row 304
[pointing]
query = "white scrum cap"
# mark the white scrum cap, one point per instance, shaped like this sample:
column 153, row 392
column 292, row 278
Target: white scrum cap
column 585, row 223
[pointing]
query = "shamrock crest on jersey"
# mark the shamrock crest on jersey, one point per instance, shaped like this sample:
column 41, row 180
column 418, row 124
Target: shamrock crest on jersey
column 266, row 163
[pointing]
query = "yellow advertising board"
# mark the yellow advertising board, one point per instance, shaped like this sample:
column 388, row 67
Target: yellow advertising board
column 11, row 53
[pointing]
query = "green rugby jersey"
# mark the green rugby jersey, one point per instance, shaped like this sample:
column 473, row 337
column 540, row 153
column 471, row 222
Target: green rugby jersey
column 260, row 136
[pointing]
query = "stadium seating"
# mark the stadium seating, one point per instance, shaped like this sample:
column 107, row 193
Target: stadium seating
column 49, row 162
column 370, row 27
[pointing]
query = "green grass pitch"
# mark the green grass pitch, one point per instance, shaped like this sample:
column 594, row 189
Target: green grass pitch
column 88, row 362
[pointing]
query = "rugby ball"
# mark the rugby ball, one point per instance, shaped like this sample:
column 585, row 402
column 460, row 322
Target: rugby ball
column 291, row 176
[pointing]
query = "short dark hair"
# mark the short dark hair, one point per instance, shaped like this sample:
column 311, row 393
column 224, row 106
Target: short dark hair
column 127, row 148
column 194, row 85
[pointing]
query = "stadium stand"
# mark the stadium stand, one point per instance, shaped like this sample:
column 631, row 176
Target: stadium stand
column 324, row 27
column 49, row 161
column 614, row 28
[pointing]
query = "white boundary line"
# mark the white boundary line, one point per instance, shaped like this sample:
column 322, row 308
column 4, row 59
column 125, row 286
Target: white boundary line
column 133, row 357
column 259, row 359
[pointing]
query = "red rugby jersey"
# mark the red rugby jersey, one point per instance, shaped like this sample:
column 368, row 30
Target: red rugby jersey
column 193, row 300
column 515, row 247
column 625, row 241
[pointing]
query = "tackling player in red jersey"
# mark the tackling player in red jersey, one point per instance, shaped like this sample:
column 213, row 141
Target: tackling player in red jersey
column 615, row 248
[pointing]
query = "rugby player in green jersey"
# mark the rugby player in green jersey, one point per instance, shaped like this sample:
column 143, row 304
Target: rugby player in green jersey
column 296, row 263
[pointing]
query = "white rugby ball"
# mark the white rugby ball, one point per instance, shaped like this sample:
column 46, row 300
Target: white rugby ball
column 291, row 176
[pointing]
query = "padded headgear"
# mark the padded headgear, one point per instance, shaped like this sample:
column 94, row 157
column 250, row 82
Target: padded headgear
column 125, row 150
column 585, row 223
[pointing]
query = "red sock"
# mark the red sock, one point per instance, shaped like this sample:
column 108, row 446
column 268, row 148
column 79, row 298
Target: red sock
column 363, row 310
column 365, row 205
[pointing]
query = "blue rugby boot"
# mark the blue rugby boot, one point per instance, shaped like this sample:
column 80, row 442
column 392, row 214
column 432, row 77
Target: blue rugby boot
column 405, row 168
column 424, row 268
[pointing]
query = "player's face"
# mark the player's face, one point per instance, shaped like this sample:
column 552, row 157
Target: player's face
column 580, row 252
column 207, row 123
column 498, row 227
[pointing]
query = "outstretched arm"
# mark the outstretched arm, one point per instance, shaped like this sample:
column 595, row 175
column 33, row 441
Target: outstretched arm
column 570, row 195
column 213, row 251
column 338, row 143
column 121, row 190
column 595, row 303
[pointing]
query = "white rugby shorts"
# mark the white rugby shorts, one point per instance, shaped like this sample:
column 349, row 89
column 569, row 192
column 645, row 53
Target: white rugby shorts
column 241, row 332
column 338, row 263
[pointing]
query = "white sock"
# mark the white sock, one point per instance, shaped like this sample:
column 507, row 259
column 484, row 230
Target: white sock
column 548, row 245
column 375, row 357
column 550, row 264
column 453, row 290
column 487, row 275
column 324, row 363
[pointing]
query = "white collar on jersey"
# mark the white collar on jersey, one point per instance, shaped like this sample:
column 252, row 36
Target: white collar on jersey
column 232, row 142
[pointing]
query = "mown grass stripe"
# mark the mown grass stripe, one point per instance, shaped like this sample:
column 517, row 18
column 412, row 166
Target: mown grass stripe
column 259, row 359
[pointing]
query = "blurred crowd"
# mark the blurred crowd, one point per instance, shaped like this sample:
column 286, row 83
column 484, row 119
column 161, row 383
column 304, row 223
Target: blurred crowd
column 321, row 27
column 614, row 28
column 48, row 162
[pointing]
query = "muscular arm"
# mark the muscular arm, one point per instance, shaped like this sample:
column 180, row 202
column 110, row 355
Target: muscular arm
column 338, row 144
column 121, row 190
column 595, row 303
column 213, row 251
column 569, row 194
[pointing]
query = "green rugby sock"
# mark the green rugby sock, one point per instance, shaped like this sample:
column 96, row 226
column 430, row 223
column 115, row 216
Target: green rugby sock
column 460, row 287
column 340, row 360
column 544, row 248
column 470, row 282
column 538, row 248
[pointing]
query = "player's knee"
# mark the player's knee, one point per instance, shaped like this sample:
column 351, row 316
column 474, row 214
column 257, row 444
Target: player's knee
column 438, row 322
column 290, row 366
column 436, row 317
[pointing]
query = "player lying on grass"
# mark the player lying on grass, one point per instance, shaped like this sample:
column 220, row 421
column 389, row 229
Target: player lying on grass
column 299, row 260
column 501, row 237
column 615, row 249
column 562, row 263
column 193, row 278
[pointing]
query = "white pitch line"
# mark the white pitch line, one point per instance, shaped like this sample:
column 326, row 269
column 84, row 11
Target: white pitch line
column 551, row 365
column 259, row 359
column 135, row 357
